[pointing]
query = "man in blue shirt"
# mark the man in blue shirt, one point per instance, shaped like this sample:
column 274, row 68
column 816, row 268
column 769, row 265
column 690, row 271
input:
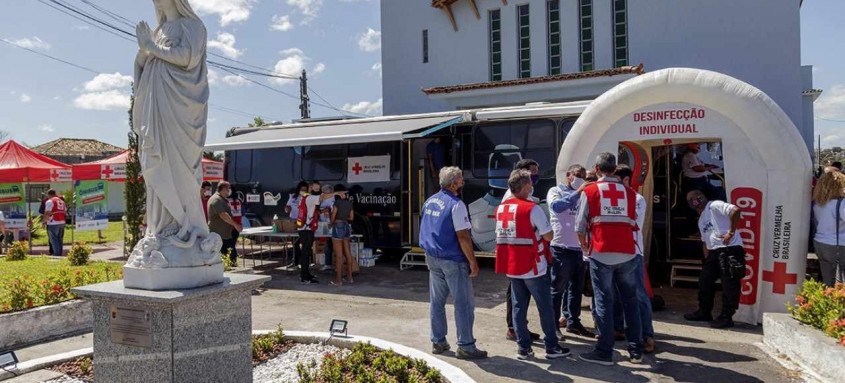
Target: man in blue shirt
column 444, row 235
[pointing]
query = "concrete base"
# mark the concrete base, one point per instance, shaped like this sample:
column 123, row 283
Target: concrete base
column 197, row 335
column 809, row 347
column 172, row 278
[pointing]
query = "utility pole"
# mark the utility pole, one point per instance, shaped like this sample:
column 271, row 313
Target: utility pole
column 304, row 107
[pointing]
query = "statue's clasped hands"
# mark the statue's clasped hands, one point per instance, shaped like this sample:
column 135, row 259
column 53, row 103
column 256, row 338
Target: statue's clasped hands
column 144, row 35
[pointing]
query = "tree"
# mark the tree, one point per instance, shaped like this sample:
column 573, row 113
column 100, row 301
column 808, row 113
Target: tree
column 135, row 192
column 256, row 122
column 218, row 156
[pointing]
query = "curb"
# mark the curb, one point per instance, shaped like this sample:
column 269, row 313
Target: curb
column 42, row 363
column 816, row 353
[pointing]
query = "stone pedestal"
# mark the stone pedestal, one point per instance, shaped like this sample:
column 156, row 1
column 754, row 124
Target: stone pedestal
column 195, row 335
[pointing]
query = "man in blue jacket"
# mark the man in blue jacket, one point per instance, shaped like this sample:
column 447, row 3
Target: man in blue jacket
column 444, row 235
column 568, row 268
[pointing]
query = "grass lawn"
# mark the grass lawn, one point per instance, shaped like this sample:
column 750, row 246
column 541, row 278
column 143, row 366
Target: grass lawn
column 39, row 268
column 113, row 234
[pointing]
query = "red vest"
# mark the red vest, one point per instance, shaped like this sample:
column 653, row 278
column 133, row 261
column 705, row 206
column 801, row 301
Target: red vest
column 517, row 247
column 612, row 217
column 237, row 214
column 59, row 210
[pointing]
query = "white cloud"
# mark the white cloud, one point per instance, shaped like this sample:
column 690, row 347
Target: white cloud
column 32, row 43
column 370, row 41
column 25, row 98
column 106, row 81
column 292, row 63
column 365, row 107
column 376, row 69
column 108, row 100
column 46, row 128
column 230, row 11
column 831, row 104
column 281, row 23
column 57, row 98
column 225, row 44
column 319, row 68
column 308, row 8
column 105, row 92
column 215, row 79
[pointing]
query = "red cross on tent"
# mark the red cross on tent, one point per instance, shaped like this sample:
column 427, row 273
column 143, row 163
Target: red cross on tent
column 780, row 278
column 107, row 172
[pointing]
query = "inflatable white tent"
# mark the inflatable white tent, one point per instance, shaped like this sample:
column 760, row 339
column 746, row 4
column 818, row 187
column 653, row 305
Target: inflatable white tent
column 767, row 166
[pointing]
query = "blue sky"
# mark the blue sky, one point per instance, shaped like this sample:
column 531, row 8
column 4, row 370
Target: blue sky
column 337, row 41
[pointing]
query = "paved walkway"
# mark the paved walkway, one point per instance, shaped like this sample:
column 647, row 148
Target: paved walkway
column 392, row 305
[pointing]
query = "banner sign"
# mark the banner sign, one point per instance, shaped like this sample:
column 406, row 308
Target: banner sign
column 368, row 169
column 13, row 205
column 212, row 171
column 92, row 205
column 61, row 175
column 113, row 172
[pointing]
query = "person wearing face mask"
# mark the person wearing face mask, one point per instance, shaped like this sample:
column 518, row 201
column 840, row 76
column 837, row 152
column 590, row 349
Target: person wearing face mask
column 220, row 219
column 292, row 209
column 724, row 259
column 522, row 253
column 205, row 194
column 306, row 222
column 533, row 168
column 567, row 268
column 445, row 237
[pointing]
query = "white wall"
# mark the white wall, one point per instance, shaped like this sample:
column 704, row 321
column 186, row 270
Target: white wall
column 757, row 41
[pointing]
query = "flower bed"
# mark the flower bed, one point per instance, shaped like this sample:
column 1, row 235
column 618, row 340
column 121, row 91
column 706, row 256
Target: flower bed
column 821, row 307
column 40, row 281
column 277, row 358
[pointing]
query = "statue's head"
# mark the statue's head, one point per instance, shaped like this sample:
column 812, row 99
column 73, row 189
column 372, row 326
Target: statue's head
column 181, row 6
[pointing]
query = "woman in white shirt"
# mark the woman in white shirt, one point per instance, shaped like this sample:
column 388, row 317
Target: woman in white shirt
column 829, row 213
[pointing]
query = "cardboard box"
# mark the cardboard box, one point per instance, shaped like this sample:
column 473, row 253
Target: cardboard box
column 285, row 225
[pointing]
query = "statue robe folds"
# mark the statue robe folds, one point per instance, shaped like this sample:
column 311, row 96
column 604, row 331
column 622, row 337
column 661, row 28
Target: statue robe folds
column 169, row 116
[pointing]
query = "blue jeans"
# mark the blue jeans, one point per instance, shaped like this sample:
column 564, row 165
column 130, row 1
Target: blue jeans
column 623, row 275
column 55, row 234
column 567, row 274
column 449, row 277
column 540, row 289
column 644, row 304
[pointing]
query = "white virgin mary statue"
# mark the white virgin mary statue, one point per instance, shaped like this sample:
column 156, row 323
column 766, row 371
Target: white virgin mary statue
column 169, row 116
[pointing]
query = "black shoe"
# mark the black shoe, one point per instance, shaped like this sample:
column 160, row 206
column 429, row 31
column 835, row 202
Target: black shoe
column 471, row 354
column 593, row 357
column 439, row 348
column 534, row 336
column 558, row 352
column 511, row 335
column 580, row 330
column 722, row 322
column 311, row 281
column 698, row 316
column 636, row 357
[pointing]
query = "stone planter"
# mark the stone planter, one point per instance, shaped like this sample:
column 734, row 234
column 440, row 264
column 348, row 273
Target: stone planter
column 810, row 348
column 44, row 323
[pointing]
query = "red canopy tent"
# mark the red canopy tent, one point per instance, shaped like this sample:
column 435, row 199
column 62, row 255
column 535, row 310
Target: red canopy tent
column 114, row 169
column 20, row 164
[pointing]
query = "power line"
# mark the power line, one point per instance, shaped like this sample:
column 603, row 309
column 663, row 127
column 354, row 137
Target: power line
column 50, row 57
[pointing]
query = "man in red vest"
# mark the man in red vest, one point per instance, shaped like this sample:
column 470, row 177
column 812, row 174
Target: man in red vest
column 607, row 217
column 523, row 233
column 55, row 217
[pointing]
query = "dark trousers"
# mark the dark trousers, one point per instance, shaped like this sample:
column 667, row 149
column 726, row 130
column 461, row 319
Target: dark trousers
column 297, row 250
column 230, row 247
column 306, row 240
column 509, row 298
column 728, row 265
column 567, row 272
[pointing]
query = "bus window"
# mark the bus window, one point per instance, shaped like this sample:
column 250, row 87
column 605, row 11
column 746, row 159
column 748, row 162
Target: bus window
column 565, row 127
column 324, row 163
column 240, row 165
column 275, row 168
column 534, row 139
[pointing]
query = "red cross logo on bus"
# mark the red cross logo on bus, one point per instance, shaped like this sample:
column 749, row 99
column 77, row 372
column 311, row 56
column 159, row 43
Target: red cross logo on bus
column 780, row 278
column 357, row 168
column 107, row 172
column 505, row 216
column 613, row 194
